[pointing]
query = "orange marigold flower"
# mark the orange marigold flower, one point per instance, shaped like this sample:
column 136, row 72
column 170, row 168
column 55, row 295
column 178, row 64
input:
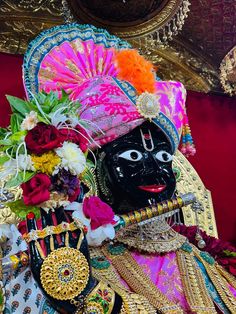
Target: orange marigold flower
column 132, row 67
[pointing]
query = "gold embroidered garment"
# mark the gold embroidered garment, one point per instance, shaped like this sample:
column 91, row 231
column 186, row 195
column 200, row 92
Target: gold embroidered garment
column 172, row 283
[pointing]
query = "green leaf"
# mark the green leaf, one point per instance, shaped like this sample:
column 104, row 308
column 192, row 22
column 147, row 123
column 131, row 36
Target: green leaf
column 90, row 164
column 6, row 142
column 16, row 137
column 58, row 106
column 21, row 210
column 21, row 178
column 64, row 96
column 13, row 182
column 3, row 132
column 3, row 159
column 42, row 119
column 3, row 148
column 18, row 105
column 230, row 253
column 15, row 124
column 27, row 175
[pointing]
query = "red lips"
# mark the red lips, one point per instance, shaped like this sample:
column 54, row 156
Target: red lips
column 152, row 188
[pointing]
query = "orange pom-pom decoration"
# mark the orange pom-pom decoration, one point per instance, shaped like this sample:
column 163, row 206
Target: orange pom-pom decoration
column 136, row 70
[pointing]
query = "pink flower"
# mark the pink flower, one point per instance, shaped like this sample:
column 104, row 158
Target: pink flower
column 99, row 212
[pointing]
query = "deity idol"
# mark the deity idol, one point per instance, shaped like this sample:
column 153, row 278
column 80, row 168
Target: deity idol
column 131, row 124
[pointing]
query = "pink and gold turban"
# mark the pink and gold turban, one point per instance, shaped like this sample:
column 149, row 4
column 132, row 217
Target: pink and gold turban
column 115, row 85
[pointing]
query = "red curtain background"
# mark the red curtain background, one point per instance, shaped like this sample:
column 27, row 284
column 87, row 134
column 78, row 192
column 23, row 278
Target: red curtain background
column 213, row 123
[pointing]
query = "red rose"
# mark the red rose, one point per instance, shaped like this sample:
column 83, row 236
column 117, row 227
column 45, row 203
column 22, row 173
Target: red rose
column 78, row 136
column 43, row 138
column 99, row 212
column 36, row 190
column 83, row 139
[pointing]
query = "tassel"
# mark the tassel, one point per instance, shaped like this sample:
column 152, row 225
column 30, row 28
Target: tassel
column 187, row 147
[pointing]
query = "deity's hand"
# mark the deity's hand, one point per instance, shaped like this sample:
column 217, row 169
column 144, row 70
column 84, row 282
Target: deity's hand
column 60, row 262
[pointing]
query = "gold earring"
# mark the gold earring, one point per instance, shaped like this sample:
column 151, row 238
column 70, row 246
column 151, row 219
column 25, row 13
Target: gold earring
column 89, row 179
column 101, row 180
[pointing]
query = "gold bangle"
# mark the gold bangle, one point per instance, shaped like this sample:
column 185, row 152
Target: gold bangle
column 15, row 261
column 49, row 230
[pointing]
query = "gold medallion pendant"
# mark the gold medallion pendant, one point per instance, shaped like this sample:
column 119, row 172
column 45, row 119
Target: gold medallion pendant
column 64, row 273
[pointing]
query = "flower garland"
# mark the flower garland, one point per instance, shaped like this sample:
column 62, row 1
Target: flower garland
column 44, row 151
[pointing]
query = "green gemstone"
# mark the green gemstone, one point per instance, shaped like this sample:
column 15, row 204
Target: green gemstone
column 100, row 262
column 116, row 249
column 186, row 247
column 207, row 257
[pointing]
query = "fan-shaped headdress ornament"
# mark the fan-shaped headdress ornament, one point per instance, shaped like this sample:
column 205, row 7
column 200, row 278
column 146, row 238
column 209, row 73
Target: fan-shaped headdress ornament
column 115, row 85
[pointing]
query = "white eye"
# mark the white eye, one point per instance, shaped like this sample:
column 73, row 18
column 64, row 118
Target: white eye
column 163, row 156
column 132, row 155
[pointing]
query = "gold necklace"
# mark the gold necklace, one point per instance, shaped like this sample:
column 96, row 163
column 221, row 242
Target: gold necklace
column 193, row 284
column 140, row 283
column 220, row 279
column 154, row 237
column 132, row 303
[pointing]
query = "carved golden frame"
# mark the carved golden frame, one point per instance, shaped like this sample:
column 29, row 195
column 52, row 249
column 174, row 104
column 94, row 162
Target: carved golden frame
column 21, row 21
column 162, row 17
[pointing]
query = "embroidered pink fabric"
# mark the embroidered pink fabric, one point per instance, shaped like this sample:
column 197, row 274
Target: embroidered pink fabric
column 164, row 273
column 70, row 64
column 111, row 111
column 86, row 71
column 232, row 290
column 172, row 97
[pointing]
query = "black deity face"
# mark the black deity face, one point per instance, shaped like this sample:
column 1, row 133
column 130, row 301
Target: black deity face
column 136, row 169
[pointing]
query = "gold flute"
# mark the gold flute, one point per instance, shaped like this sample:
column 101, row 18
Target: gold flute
column 144, row 214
